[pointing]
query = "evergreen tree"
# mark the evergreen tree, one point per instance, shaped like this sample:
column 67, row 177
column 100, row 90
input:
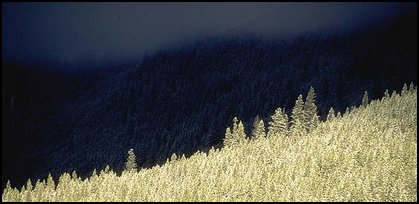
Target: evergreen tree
column 235, row 126
column 50, row 182
column 310, row 109
column 258, row 129
column 279, row 123
column 331, row 114
column 131, row 163
column 240, row 134
column 394, row 94
column 338, row 115
column 74, row 175
column 411, row 87
column 298, row 116
column 404, row 90
column 386, row 94
column 8, row 186
column 235, row 135
column 173, row 157
column 28, row 193
column 64, row 179
column 229, row 140
column 365, row 99
column 107, row 169
column 297, row 111
column 314, row 121
column 29, row 186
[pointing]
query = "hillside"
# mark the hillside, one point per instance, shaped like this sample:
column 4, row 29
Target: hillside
column 368, row 154
column 181, row 99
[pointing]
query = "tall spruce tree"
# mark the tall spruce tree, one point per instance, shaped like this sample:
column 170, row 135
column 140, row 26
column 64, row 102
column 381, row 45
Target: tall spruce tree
column 7, row 189
column 298, row 116
column 258, row 131
column 365, row 99
column 237, row 134
column 279, row 124
column 131, row 163
column 229, row 140
column 311, row 119
column 50, row 182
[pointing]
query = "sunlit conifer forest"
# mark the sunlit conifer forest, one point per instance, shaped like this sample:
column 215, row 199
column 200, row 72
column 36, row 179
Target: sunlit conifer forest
column 368, row 153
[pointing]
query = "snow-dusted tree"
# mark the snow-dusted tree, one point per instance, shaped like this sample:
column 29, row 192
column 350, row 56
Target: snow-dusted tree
column 279, row 124
column 29, row 188
column 331, row 115
column 173, row 157
column 131, row 163
column 50, row 184
column 311, row 119
column 298, row 116
column 411, row 87
column 404, row 90
column 394, row 94
column 239, row 133
column 258, row 131
column 229, row 140
column 338, row 115
column 386, row 94
column 236, row 134
column 365, row 99
column 347, row 111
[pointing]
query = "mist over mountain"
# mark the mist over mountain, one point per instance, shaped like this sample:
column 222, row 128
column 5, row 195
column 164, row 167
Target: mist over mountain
column 120, row 31
column 182, row 99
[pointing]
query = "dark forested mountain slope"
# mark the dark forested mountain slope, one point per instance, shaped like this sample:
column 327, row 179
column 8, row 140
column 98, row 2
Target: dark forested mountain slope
column 182, row 99
column 32, row 92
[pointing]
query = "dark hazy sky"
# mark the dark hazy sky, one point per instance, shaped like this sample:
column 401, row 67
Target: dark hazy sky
column 127, row 30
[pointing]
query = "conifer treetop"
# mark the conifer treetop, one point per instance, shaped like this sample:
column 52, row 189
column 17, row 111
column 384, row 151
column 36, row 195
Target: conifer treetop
column 131, row 163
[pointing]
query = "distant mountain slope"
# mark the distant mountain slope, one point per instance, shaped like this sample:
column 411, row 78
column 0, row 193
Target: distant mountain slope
column 182, row 99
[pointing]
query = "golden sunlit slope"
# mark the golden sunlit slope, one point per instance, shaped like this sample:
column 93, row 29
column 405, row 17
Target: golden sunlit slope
column 369, row 154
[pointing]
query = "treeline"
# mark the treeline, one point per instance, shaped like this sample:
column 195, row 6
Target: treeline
column 368, row 153
column 304, row 119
